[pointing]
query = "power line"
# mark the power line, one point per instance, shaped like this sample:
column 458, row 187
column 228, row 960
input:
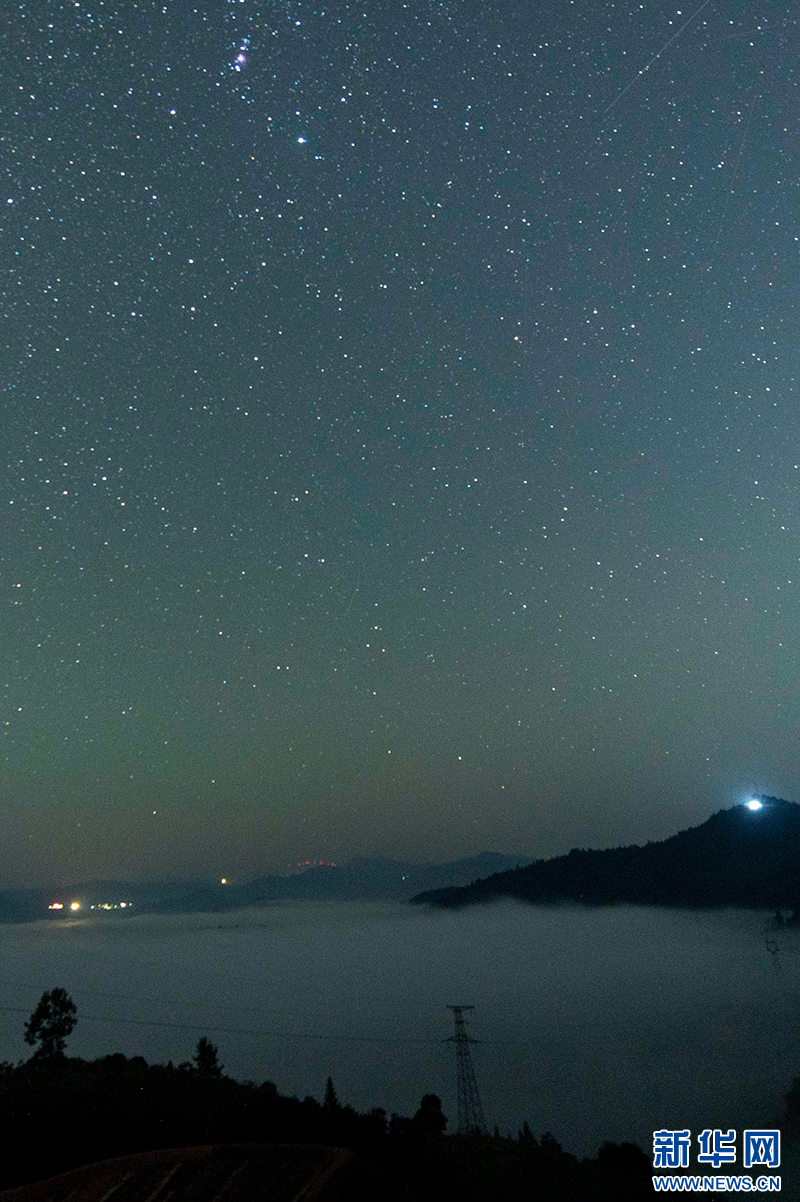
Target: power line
column 213, row 1027
column 204, row 1025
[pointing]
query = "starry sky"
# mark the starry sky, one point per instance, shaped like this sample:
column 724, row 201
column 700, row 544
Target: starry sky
column 399, row 426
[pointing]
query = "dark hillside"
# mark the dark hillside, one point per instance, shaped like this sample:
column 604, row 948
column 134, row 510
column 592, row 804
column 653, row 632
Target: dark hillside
column 68, row 1113
column 738, row 857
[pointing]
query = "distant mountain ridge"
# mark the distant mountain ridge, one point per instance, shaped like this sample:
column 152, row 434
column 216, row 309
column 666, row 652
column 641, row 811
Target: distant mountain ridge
column 359, row 879
column 738, row 857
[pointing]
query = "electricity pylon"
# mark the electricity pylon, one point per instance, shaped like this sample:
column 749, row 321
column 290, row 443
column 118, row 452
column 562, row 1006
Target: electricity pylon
column 470, row 1112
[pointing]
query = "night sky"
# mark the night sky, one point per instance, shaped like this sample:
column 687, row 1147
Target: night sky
column 400, row 428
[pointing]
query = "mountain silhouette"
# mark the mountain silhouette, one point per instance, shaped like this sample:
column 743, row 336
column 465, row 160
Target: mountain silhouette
column 356, row 880
column 738, row 857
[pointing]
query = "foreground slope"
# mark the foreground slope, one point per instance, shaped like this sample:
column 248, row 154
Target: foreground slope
column 738, row 857
column 122, row 1130
column 242, row 1172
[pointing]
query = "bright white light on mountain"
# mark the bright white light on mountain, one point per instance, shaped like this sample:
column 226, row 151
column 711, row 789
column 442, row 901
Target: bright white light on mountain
column 755, row 804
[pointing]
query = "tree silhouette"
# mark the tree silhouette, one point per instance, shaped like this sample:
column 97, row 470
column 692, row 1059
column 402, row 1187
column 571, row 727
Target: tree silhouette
column 331, row 1102
column 206, row 1058
column 429, row 1122
column 51, row 1023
